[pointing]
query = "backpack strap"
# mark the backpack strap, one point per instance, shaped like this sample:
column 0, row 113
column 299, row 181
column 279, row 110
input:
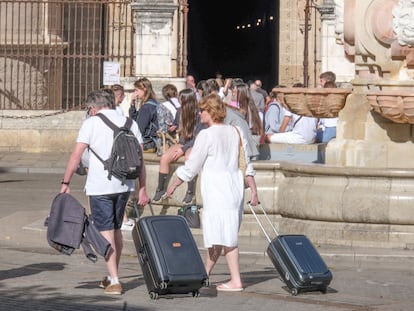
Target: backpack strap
column 172, row 103
column 296, row 122
column 128, row 122
column 152, row 103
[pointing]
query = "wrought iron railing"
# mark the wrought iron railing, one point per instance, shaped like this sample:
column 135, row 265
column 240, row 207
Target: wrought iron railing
column 52, row 51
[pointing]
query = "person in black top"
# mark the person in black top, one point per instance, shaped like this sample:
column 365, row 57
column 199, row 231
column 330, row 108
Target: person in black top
column 146, row 115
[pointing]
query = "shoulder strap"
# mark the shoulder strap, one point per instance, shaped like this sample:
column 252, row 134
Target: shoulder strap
column 107, row 121
column 297, row 121
column 151, row 102
column 128, row 122
column 172, row 103
column 238, row 133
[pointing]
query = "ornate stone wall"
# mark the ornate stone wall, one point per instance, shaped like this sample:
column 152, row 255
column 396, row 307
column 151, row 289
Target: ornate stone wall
column 292, row 42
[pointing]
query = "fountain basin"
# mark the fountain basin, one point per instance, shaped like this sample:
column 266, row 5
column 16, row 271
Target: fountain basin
column 315, row 102
column 332, row 205
column 395, row 105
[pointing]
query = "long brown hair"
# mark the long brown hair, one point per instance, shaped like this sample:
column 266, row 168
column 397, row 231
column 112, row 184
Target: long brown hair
column 248, row 108
column 145, row 85
column 188, row 115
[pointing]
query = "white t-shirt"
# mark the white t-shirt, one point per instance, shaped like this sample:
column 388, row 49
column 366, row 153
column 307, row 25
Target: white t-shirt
column 305, row 127
column 95, row 133
column 288, row 113
column 172, row 108
column 328, row 122
column 119, row 110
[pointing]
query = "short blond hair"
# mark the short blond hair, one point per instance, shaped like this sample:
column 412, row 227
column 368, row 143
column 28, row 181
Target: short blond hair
column 214, row 106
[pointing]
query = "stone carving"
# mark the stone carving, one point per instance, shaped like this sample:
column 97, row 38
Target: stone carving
column 403, row 22
column 339, row 21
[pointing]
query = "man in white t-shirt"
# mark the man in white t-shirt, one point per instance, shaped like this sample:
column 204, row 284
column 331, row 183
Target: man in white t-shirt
column 108, row 198
column 303, row 131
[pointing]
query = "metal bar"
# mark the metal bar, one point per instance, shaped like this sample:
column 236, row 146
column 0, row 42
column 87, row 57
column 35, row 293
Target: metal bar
column 126, row 28
column 102, row 34
column 26, row 51
column 132, row 48
column 261, row 224
column 75, row 23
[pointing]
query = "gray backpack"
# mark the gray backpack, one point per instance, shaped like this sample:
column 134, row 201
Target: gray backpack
column 126, row 158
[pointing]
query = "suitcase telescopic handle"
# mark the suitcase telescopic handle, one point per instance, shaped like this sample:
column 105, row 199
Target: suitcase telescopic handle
column 260, row 223
column 135, row 201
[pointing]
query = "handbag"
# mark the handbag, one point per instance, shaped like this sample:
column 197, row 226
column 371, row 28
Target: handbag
column 191, row 214
column 242, row 157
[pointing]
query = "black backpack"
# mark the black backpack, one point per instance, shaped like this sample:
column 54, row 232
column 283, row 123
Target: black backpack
column 126, row 158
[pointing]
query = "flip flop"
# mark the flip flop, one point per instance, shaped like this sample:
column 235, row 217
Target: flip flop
column 225, row 288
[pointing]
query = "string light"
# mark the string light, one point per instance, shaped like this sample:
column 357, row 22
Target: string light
column 258, row 22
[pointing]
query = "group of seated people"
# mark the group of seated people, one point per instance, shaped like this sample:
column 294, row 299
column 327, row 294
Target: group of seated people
column 264, row 116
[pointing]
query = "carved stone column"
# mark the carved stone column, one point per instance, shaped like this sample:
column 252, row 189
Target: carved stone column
column 154, row 20
column 332, row 52
column 154, row 42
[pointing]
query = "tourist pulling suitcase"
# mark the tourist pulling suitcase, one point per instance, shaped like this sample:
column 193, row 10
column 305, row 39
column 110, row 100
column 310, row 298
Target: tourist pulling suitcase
column 168, row 255
column 297, row 261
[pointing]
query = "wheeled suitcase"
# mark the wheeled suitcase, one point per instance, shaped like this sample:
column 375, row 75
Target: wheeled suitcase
column 168, row 255
column 296, row 259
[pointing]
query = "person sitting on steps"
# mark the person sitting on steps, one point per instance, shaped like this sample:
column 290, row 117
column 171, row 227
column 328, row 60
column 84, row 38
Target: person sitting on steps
column 189, row 127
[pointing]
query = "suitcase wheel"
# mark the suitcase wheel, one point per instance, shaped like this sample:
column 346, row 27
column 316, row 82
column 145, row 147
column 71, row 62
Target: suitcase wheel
column 153, row 295
column 163, row 285
column 196, row 294
column 294, row 291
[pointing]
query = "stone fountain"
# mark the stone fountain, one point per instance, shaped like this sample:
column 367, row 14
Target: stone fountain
column 364, row 193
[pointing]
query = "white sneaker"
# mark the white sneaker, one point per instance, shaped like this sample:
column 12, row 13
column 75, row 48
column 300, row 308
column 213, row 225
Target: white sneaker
column 128, row 225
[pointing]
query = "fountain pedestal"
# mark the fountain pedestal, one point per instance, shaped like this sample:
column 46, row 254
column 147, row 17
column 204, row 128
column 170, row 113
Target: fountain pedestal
column 364, row 193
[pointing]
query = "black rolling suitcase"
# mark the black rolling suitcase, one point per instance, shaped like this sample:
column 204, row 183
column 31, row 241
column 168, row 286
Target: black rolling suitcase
column 297, row 261
column 168, row 255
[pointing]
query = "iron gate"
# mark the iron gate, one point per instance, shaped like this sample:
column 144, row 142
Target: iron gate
column 52, row 51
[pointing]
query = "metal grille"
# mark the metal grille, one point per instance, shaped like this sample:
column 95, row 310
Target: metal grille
column 52, row 52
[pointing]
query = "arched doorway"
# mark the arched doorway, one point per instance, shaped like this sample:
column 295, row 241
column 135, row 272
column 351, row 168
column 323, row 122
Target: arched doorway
column 237, row 39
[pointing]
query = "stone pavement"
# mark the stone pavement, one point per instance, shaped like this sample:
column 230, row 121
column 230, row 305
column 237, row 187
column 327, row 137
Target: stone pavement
column 33, row 276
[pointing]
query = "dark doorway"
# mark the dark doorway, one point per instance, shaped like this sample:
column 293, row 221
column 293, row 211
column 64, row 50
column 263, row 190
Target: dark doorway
column 237, row 39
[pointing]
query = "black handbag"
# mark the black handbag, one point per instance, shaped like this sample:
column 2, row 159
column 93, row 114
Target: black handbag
column 191, row 214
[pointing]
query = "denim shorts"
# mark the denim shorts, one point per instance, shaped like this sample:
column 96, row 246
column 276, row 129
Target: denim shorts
column 108, row 210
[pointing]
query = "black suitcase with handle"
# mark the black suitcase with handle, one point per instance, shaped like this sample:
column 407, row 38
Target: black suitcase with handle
column 168, row 255
column 296, row 259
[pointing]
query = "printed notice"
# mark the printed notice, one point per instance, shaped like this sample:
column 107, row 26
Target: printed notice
column 111, row 73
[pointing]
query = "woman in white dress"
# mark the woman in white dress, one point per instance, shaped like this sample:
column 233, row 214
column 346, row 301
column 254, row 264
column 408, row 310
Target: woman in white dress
column 216, row 152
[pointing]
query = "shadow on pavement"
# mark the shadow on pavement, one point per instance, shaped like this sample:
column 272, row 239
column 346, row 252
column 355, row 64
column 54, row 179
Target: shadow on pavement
column 30, row 270
column 33, row 298
column 255, row 277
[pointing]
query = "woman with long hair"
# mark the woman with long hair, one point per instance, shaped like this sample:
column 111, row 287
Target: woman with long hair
column 189, row 127
column 247, row 107
column 146, row 115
